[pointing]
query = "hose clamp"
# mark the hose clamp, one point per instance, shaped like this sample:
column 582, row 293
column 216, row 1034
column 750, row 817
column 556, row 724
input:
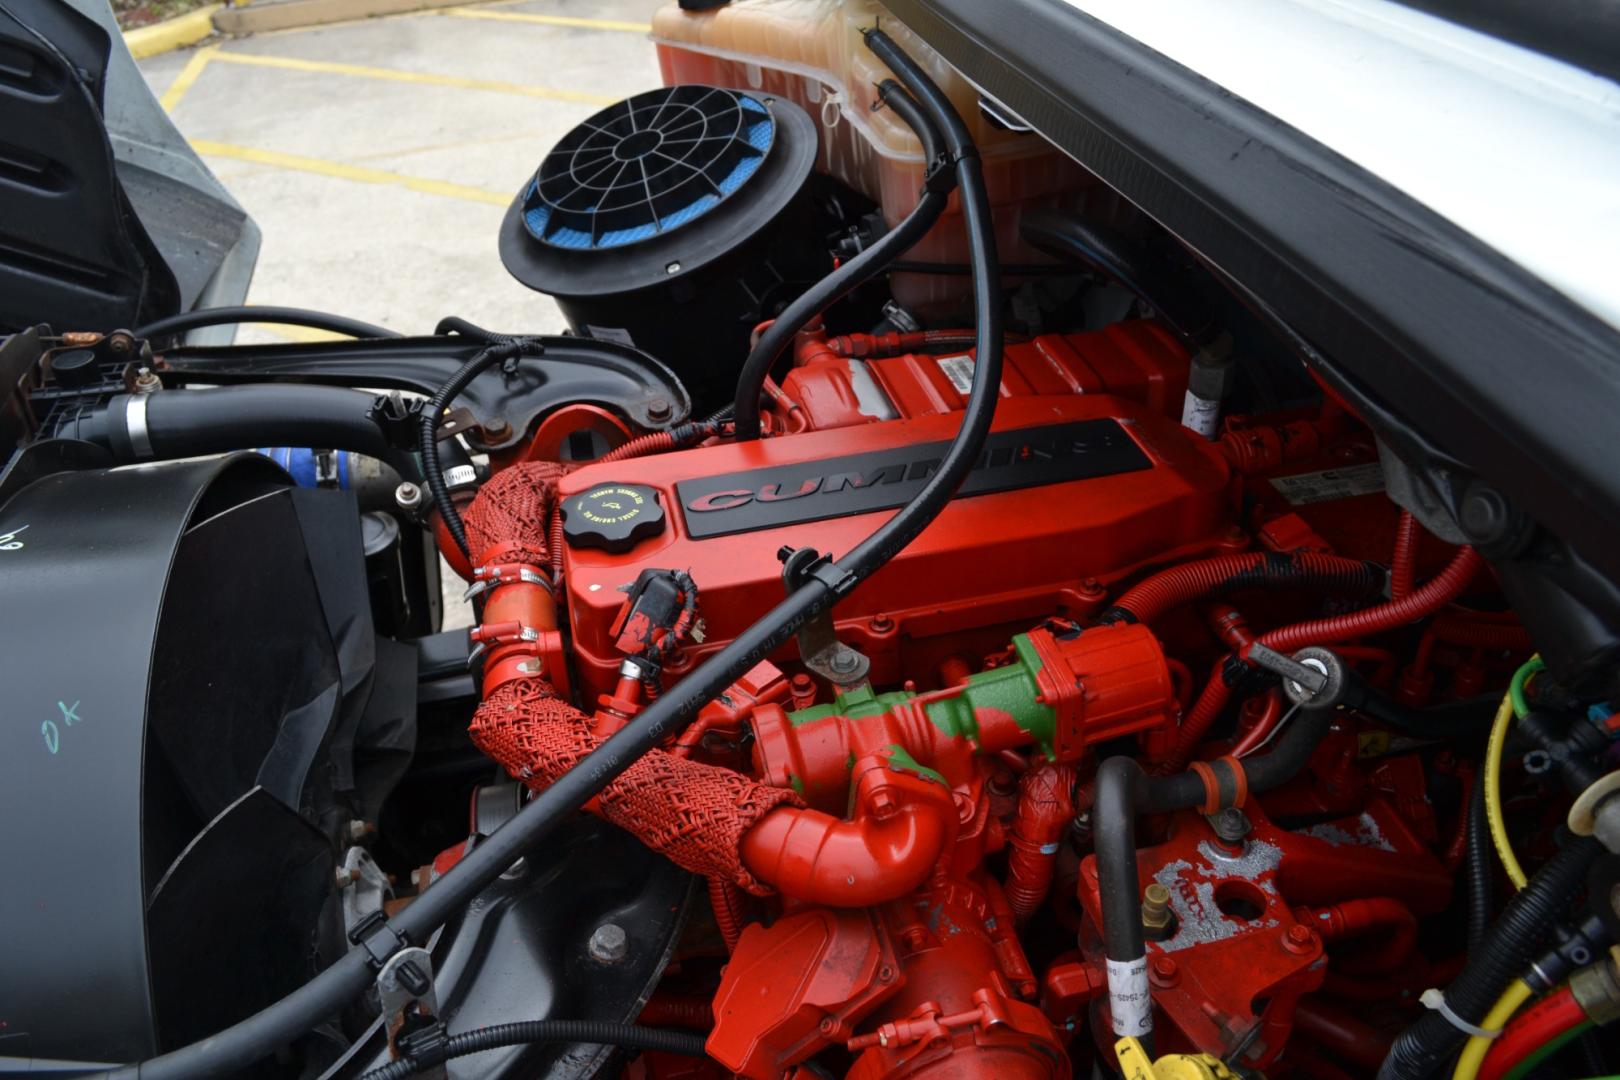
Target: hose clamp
column 486, row 578
column 493, row 635
column 1434, row 998
column 135, row 424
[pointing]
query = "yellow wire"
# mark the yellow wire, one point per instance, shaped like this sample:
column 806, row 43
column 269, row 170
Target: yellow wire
column 1474, row 1053
column 1493, row 793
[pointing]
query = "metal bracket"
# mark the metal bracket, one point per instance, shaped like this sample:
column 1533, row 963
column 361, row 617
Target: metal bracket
column 410, row 1008
column 819, row 647
column 1310, row 678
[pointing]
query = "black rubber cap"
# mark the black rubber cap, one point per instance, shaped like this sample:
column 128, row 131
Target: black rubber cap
column 612, row 517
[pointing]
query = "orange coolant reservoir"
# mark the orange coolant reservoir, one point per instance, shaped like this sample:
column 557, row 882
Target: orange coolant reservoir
column 810, row 52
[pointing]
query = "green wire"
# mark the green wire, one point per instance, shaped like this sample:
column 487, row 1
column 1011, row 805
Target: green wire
column 1547, row 1049
column 1516, row 687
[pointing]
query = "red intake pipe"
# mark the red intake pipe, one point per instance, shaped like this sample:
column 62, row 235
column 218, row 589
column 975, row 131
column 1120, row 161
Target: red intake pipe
column 899, row 831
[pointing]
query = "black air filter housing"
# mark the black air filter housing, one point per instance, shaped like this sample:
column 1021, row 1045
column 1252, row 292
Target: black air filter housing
column 673, row 221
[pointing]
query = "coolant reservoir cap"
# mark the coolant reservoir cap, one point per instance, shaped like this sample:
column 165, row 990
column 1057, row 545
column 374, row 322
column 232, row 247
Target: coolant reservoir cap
column 612, row 517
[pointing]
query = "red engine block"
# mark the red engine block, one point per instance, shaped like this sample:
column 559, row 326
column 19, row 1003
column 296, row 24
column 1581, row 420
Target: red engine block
column 993, row 564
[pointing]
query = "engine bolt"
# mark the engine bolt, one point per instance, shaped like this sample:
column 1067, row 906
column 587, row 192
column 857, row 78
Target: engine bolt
column 1230, row 825
column 658, row 409
column 146, row 382
column 345, row 876
column 672, row 268
column 882, row 624
column 609, row 944
column 407, row 496
column 1164, row 970
column 1299, row 939
column 844, row 661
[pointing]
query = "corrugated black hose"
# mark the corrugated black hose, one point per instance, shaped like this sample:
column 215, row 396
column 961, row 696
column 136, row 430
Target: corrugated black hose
column 1525, row 923
column 1481, row 898
column 627, row 1036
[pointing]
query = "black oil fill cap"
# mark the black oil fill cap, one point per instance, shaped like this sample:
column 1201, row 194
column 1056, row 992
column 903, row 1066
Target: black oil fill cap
column 612, row 517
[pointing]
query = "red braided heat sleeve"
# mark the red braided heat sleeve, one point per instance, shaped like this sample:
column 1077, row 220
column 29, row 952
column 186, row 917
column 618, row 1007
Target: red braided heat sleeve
column 693, row 814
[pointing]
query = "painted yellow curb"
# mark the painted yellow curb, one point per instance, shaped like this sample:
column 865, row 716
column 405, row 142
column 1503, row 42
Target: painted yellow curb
column 175, row 33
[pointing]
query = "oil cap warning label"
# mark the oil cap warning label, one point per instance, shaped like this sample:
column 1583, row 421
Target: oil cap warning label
column 1330, row 484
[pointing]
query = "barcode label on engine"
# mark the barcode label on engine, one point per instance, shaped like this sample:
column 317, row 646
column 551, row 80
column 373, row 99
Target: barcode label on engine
column 958, row 369
column 1330, row 484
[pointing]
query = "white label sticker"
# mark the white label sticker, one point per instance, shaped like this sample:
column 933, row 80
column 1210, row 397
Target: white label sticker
column 1129, row 999
column 958, row 369
column 1200, row 415
column 609, row 333
column 1330, row 484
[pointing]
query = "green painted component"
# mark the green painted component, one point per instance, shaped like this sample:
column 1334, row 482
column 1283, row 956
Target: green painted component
column 1011, row 690
column 900, row 760
column 796, row 783
column 857, row 703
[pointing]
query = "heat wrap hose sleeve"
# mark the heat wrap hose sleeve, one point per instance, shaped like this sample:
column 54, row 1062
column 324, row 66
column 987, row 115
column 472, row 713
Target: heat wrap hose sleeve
column 693, row 814
column 506, row 522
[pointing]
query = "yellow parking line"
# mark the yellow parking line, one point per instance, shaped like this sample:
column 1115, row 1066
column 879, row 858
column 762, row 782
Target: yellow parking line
column 188, row 76
column 549, row 20
column 289, row 63
column 360, row 174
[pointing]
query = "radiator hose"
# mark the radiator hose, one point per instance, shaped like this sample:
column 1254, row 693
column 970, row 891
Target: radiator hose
column 262, row 1033
column 1527, row 920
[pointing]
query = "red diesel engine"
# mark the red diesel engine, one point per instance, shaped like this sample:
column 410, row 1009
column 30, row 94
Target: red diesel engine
column 924, row 619
column 1156, row 725
column 877, row 857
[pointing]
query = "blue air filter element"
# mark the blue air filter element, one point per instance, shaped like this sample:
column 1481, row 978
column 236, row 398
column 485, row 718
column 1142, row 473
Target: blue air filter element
column 646, row 166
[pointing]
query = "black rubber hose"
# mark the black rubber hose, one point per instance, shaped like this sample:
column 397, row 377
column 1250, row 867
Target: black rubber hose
column 1526, row 922
column 1124, row 790
column 172, row 424
column 1481, row 892
column 778, row 337
column 1469, row 718
column 944, row 269
column 627, row 1036
column 285, row 316
column 247, row 1041
column 1126, row 261
column 427, row 438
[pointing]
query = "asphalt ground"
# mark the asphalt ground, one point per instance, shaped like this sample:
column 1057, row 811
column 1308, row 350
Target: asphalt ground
column 378, row 156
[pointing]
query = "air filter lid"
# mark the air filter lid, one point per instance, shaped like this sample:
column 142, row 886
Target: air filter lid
column 646, row 166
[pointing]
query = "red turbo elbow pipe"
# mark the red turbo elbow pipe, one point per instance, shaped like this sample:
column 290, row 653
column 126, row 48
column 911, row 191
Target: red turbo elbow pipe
column 900, row 829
